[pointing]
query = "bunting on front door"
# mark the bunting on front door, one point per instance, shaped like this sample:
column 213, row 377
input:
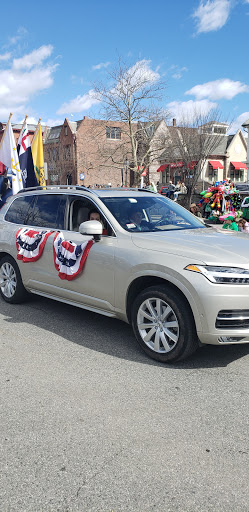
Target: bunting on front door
column 69, row 258
column 30, row 243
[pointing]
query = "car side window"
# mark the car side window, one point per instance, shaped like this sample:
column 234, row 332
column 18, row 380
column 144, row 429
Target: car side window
column 49, row 211
column 21, row 210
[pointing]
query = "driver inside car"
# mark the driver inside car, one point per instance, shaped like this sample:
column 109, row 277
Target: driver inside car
column 137, row 222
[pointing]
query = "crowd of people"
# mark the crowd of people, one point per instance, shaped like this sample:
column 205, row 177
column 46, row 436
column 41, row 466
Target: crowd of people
column 174, row 190
column 234, row 223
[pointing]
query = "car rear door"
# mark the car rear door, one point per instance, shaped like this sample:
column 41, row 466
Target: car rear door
column 94, row 287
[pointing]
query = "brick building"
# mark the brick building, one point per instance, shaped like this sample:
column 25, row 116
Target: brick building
column 87, row 152
column 17, row 129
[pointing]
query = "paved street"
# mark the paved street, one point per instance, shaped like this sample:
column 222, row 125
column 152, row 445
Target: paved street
column 89, row 423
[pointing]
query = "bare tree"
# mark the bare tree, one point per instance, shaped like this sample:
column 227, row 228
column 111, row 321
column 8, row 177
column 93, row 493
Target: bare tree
column 191, row 142
column 132, row 98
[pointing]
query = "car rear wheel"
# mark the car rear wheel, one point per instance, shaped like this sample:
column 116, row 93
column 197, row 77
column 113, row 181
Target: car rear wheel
column 163, row 324
column 11, row 285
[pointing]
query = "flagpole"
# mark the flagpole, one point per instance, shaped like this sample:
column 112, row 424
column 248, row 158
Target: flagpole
column 24, row 122
column 4, row 133
column 36, row 130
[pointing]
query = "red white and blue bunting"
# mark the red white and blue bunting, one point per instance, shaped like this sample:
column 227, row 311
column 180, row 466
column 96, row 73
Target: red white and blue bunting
column 30, row 244
column 69, row 258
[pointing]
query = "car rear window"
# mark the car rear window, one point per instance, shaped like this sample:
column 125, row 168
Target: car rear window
column 21, row 210
column 44, row 210
column 49, row 211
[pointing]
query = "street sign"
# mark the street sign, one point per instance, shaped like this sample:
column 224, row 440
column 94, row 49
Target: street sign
column 82, row 176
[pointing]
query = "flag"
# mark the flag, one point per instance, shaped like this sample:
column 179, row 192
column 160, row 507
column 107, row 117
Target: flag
column 38, row 158
column 30, row 244
column 25, row 159
column 9, row 157
column 69, row 258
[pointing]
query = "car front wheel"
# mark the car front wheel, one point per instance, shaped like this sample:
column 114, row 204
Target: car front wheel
column 11, row 286
column 163, row 324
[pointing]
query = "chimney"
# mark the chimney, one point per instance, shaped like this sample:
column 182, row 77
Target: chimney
column 174, row 121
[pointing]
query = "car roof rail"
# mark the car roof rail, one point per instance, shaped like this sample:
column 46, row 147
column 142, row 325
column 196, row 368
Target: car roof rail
column 54, row 187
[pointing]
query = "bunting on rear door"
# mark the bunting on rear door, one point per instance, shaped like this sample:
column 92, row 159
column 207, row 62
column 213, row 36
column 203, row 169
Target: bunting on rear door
column 30, row 244
column 69, row 258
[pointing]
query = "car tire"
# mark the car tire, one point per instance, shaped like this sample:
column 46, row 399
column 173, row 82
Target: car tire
column 163, row 324
column 11, row 285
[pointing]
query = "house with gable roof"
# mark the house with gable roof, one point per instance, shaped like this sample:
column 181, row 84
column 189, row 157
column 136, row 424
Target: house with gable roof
column 227, row 159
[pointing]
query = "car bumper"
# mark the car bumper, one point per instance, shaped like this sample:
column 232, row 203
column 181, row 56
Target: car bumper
column 225, row 314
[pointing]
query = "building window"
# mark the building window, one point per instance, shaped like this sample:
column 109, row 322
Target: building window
column 113, row 133
column 212, row 174
column 237, row 174
column 150, row 130
column 67, row 152
column 65, row 130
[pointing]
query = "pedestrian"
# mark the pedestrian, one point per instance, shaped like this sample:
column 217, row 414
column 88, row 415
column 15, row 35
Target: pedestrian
column 229, row 223
column 177, row 190
column 243, row 226
column 195, row 210
column 171, row 190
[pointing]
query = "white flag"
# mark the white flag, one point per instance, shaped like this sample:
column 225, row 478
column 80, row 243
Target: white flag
column 9, row 157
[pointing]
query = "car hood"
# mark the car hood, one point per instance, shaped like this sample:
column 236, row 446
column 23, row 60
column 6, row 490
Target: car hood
column 204, row 245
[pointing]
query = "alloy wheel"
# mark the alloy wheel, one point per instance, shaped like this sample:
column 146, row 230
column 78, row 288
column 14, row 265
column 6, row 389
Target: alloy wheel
column 158, row 325
column 8, row 280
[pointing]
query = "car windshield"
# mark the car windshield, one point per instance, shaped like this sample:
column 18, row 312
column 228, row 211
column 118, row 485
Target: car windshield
column 150, row 213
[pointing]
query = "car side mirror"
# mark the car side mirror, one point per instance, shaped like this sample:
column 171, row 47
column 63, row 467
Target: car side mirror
column 91, row 227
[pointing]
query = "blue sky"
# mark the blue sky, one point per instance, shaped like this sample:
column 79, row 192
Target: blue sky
column 52, row 52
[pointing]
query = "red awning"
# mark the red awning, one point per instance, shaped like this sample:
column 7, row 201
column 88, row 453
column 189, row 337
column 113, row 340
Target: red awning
column 215, row 164
column 173, row 165
column 239, row 165
column 162, row 168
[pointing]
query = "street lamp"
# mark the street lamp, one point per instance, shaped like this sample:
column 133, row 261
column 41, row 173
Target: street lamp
column 126, row 164
column 245, row 125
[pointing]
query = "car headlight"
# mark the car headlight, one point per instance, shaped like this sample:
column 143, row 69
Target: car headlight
column 221, row 275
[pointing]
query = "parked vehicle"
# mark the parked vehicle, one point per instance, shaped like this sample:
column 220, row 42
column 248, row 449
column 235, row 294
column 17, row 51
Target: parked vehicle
column 158, row 267
column 163, row 190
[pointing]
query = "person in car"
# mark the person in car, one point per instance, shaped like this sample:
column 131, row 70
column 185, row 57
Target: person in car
column 136, row 221
column 95, row 215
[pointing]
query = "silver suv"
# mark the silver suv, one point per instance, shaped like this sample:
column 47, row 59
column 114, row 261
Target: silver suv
column 152, row 263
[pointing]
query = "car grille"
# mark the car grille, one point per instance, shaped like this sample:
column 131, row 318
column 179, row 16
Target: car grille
column 232, row 319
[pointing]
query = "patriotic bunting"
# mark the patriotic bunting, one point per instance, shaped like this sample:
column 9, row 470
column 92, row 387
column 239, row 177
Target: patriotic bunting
column 69, row 258
column 30, row 244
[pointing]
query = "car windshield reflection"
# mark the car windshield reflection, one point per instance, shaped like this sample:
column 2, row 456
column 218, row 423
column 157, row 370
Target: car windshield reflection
column 150, row 214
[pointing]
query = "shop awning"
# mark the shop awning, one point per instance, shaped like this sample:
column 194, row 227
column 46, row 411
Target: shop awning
column 173, row 165
column 162, row 168
column 239, row 166
column 215, row 164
